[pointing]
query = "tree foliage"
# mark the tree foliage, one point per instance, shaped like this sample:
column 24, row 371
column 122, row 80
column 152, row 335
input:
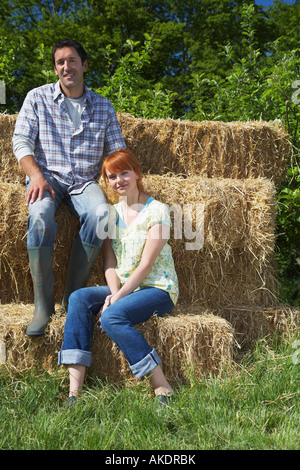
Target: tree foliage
column 188, row 59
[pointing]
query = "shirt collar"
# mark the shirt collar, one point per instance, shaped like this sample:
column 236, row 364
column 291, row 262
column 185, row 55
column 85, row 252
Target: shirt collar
column 59, row 94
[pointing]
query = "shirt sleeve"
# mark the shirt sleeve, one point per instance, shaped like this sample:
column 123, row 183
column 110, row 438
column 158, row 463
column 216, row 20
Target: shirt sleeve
column 159, row 215
column 113, row 136
column 22, row 146
column 27, row 123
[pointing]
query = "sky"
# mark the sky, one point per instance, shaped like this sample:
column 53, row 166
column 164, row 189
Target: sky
column 267, row 3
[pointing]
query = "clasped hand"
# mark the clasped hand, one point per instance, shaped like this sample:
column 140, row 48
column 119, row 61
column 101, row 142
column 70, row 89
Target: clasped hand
column 108, row 301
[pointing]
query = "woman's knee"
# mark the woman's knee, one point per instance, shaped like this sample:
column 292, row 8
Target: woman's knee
column 88, row 298
column 110, row 320
column 105, row 321
column 78, row 300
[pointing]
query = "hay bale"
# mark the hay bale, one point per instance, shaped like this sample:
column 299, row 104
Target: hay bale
column 254, row 323
column 192, row 342
column 237, row 213
column 23, row 353
column 233, row 267
column 208, row 148
column 201, row 344
column 14, row 266
column 189, row 344
column 10, row 170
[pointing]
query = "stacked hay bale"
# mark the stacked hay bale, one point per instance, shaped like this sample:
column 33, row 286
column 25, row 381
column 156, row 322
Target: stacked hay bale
column 191, row 345
column 232, row 169
column 218, row 181
column 208, row 148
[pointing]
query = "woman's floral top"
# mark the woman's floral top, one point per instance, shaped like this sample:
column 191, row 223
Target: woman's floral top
column 128, row 243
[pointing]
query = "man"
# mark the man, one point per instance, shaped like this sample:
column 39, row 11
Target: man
column 61, row 134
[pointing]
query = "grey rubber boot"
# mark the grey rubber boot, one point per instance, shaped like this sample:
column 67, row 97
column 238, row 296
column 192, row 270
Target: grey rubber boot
column 82, row 259
column 41, row 266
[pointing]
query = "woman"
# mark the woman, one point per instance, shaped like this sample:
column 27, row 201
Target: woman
column 141, row 281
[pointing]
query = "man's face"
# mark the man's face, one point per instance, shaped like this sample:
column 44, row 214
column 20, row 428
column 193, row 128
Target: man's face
column 69, row 69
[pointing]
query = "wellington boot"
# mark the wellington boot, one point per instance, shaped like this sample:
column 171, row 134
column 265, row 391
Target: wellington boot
column 82, row 259
column 41, row 266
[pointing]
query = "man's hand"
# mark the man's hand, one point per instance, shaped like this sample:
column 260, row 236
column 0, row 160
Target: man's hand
column 36, row 190
column 38, row 184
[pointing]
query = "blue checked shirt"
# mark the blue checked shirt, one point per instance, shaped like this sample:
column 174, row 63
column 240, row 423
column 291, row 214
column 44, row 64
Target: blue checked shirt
column 72, row 156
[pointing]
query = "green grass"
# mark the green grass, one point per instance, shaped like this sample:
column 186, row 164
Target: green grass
column 254, row 407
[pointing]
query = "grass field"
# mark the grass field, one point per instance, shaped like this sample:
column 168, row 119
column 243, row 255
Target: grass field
column 256, row 406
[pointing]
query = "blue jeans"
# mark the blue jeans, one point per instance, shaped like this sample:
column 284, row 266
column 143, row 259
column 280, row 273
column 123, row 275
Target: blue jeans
column 117, row 321
column 90, row 207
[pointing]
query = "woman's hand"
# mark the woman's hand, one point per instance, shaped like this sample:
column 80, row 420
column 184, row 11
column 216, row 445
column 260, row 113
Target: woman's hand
column 108, row 301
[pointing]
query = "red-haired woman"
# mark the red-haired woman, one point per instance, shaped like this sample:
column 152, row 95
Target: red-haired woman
column 141, row 281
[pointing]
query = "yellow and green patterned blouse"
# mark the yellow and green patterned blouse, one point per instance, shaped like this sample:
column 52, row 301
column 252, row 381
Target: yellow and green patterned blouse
column 128, row 244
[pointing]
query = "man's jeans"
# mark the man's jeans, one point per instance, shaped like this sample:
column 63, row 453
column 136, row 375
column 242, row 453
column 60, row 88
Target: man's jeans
column 90, row 207
column 117, row 321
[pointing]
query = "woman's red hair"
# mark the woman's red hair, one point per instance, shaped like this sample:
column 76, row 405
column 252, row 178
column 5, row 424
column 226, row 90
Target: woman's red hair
column 120, row 160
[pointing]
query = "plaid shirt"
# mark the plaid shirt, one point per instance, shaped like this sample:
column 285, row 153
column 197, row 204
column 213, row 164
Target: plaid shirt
column 73, row 157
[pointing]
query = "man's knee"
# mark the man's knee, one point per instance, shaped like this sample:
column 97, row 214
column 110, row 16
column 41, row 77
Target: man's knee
column 42, row 228
column 95, row 225
column 102, row 222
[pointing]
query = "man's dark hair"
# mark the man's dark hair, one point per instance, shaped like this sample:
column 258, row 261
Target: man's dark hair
column 69, row 43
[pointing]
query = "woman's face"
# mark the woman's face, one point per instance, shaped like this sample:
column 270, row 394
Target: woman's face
column 123, row 182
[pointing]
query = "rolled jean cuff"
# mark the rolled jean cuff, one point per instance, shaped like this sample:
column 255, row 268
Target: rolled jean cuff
column 147, row 364
column 75, row 356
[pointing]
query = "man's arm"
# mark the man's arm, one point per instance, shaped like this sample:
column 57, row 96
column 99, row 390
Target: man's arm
column 24, row 137
column 23, row 148
column 114, row 138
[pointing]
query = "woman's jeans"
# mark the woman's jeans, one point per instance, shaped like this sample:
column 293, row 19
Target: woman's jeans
column 117, row 321
column 89, row 206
